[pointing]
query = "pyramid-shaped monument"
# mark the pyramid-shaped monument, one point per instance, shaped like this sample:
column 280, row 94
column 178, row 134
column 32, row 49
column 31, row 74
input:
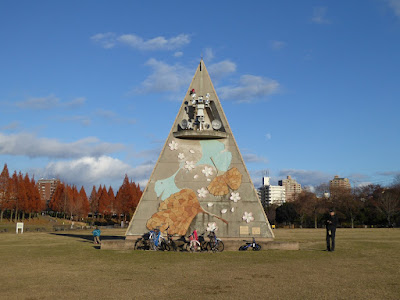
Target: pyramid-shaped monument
column 200, row 180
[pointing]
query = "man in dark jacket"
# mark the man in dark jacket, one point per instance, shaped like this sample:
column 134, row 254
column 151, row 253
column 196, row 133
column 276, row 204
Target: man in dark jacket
column 331, row 223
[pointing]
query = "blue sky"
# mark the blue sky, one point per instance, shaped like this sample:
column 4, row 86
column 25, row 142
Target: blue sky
column 89, row 89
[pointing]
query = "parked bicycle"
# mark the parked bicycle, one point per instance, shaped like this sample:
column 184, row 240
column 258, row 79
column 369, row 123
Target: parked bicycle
column 170, row 242
column 152, row 240
column 143, row 243
column 215, row 244
column 183, row 244
column 253, row 245
column 203, row 242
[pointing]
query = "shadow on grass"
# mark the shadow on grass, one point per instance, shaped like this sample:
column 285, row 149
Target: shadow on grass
column 89, row 237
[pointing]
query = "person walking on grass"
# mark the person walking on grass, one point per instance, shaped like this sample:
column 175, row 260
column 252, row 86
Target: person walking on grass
column 96, row 235
column 331, row 223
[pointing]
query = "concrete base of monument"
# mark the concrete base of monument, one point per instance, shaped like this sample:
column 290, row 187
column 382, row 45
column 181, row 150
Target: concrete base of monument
column 231, row 244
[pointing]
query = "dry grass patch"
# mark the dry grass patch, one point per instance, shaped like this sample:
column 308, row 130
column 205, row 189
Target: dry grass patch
column 67, row 265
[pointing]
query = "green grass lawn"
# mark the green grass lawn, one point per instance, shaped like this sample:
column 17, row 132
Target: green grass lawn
column 365, row 265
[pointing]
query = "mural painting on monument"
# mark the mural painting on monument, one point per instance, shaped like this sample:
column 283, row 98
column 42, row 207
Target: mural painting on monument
column 179, row 207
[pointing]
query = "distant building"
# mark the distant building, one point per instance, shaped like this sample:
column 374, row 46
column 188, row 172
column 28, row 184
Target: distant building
column 292, row 188
column 271, row 194
column 339, row 183
column 47, row 188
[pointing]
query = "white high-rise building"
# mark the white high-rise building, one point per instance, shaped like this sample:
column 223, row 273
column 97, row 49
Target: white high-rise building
column 271, row 194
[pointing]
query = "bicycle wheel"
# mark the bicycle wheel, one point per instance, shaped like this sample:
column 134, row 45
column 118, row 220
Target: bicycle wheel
column 172, row 246
column 257, row 247
column 164, row 246
column 167, row 247
column 209, row 247
column 243, row 248
column 139, row 245
column 220, row 246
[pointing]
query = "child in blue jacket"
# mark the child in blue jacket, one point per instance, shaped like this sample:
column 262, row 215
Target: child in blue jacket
column 96, row 235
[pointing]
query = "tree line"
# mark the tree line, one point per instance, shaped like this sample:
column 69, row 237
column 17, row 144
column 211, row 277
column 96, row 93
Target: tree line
column 371, row 205
column 20, row 198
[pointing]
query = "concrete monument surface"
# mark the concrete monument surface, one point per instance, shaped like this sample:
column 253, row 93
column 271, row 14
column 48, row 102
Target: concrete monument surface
column 200, row 180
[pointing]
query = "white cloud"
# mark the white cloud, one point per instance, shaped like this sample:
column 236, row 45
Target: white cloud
column 77, row 102
column 178, row 54
column 49, row 102
column 11, row 126
column 221, row 69
column 395, row 6
column 277, row 45
column 254, row 158
column 249, row 88
column 106, row 40
column 26, row 144
column 84, row 120
column 109, row 40
column 113, row 117
column 268, row 136
column 307, row 177
column 165, row 77
column 319, row 16
column 88, row 171
column 208, row 55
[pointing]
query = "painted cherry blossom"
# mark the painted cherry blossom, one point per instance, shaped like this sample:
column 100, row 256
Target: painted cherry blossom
column 207, row 171
column 196, row 176
column 248, row 217
column 232, row 209
column 209, row 204
column 223, row 211
column 235, row 197
column 189, row 165
column 181, row 156
column 208, row 179
column 191, row 151
column 202, row 193
column 173, row 145
column 212, row 226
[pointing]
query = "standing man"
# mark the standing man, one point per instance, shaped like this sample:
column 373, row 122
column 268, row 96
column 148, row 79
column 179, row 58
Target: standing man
column 331, row 223
column 96, row 235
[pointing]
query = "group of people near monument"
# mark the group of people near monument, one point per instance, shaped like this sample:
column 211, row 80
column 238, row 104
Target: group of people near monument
column 155, row 235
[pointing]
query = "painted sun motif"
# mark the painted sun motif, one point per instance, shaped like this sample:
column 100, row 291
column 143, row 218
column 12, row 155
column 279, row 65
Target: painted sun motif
column 235, row 197
column 202, row 193
column 189, row 165
column 173, row 146
column 248, row 217
column 207, row 171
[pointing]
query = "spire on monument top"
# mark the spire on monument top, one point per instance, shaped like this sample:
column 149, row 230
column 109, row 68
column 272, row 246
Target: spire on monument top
column 200, row 180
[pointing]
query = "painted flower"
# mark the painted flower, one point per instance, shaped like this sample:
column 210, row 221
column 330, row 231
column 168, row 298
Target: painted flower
column 208, row 171
column 223, row 211
column 181, row 156
column 196, row 176
column 191, row 151
column 202, row 193
column 189, row 165
column 173, row 145
column 235, row 197
column 209, row 204
column 232, row 209
column 212, row 226
column 248, row 217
